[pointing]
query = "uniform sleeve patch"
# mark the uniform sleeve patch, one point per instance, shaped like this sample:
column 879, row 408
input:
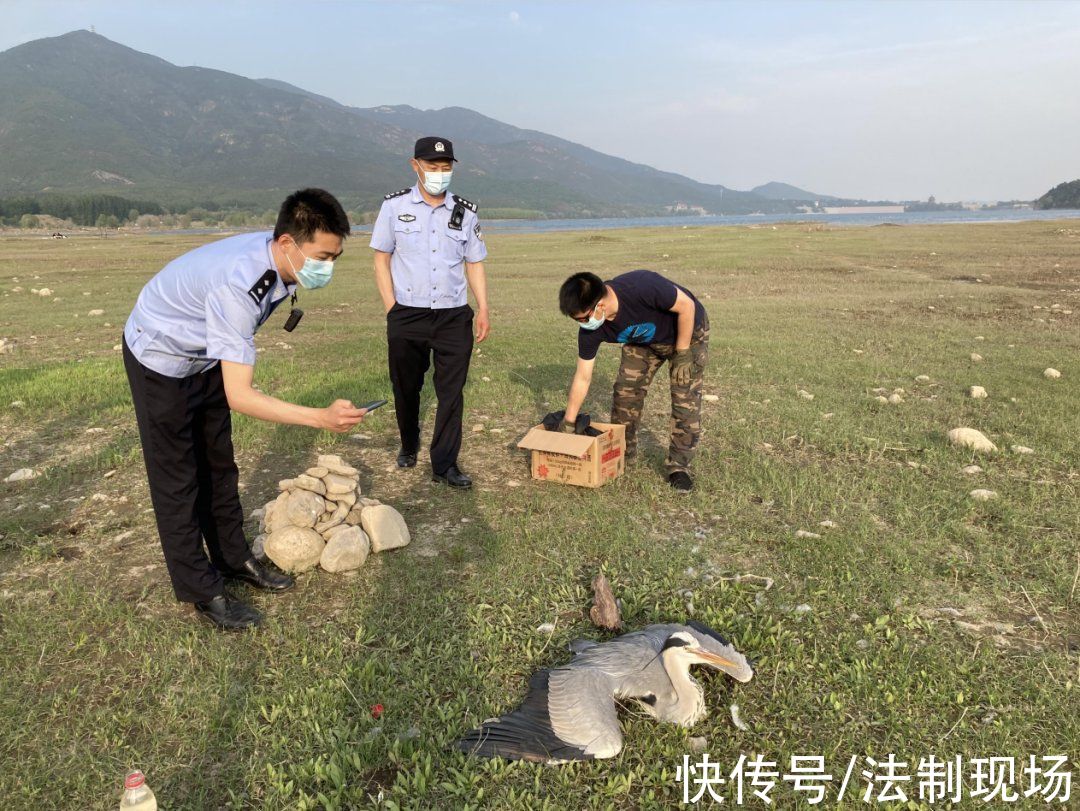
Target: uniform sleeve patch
column 394, row 194
column 261, row 289
column 476, row 230
column 467, row 203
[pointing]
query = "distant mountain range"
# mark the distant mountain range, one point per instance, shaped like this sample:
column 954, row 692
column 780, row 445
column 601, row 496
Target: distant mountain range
column 80, row 114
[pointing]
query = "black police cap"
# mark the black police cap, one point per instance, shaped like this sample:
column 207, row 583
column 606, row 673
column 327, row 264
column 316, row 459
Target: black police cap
column 434, row 149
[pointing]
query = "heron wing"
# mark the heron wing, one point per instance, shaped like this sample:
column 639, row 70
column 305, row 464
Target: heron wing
column 577, row 646
column 569, row 714
column 581, row 702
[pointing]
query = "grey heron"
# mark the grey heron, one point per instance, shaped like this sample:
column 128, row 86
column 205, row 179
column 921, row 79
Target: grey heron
column 570, row 711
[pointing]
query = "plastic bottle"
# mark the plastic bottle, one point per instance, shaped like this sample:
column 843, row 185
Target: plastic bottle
column 137, row 795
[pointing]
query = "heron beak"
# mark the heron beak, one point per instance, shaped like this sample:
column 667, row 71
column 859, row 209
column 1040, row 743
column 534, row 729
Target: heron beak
column 716, row 661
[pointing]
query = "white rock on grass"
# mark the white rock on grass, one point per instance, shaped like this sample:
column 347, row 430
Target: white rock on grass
column 258, row 547
column 802, row 533
column 22, row 474
column 977, row 393
column 306, row 482
column 828, row 524
column 804, row 394
column 348, row 499
column 336, row 484
column 334, row 464
column 1021, row 449
column 895, row 399
column 385, row 526
column 1051, row 374
column 983, row 495
column 976, row 357
column 710, row 398
column 274, row 516
column 294, row 549
column 338, row 516
column 882, row 399
column 326, row 503
column 971, row 470
column 303, row 508
column 96, row 312
column 345, row 551
column 971, row 438
column 922, row 379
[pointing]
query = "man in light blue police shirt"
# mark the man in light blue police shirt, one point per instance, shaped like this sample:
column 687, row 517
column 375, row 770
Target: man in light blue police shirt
column 189, row 352
column 428, row 251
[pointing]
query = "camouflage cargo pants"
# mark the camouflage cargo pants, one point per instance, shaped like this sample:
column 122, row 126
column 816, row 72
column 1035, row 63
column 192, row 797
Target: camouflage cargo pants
column 639, row 365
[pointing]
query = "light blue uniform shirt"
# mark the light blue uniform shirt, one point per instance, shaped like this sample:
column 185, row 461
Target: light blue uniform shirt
column 205, row 306
column 428, row 261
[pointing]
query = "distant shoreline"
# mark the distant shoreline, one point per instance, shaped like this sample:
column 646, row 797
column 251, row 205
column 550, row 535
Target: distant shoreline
column 539, row 226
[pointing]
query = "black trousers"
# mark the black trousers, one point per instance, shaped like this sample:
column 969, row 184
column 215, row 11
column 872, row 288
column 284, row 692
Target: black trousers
column 415, row 335
column 186, row 431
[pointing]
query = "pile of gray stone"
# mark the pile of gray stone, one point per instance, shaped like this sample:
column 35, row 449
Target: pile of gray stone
column 321, row 518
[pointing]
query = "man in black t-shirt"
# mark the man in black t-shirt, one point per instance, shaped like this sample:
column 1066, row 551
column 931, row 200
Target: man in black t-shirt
column 655, row 320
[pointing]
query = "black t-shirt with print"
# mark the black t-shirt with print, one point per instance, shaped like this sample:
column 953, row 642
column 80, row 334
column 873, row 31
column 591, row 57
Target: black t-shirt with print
column 644, row 317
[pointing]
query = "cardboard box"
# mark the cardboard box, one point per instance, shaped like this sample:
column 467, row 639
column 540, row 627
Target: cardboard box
column 584, row 461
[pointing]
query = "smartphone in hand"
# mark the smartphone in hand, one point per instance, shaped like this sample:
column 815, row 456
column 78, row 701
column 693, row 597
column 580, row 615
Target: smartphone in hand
column 369, row 407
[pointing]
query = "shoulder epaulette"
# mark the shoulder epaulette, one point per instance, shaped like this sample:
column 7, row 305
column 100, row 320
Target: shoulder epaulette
column 394, row 194
column 261, row 289
column 468, row 204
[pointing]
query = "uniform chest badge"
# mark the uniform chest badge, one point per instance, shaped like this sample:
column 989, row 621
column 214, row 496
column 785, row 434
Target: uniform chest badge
column 406, row 217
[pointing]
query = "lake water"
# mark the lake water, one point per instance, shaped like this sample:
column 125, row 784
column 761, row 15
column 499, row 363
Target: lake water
column 907, row 218
column 608, row 223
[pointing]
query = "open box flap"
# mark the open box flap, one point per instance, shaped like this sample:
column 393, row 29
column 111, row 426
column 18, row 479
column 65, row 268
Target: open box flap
column 540, row 439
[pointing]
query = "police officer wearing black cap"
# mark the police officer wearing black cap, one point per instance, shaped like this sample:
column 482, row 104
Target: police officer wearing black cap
column 429, row 252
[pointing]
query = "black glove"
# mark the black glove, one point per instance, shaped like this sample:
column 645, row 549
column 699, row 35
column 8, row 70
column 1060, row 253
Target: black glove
column 554, row 420
column 583, row 426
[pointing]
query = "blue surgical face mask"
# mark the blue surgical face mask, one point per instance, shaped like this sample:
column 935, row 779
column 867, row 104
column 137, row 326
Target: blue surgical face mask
column 437, row 182
column 593, row 322
column 314, row 274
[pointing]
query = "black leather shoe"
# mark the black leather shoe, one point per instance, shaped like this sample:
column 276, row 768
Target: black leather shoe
column 453, row 477
column 405, row 459
column 263, row 577
column 681, row 481
column 229, row 613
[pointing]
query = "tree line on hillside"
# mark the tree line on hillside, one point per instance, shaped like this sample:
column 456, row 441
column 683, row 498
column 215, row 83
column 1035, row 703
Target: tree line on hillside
column 1063, row 195
column 111, row 211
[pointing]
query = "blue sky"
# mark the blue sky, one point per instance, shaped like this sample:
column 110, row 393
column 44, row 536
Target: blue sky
column 962, row 100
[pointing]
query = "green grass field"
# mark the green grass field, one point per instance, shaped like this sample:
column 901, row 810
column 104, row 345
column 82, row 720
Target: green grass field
column 103, row 671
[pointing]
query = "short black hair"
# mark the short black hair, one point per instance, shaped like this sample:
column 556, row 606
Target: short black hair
column 580, row 293
column 309, row 210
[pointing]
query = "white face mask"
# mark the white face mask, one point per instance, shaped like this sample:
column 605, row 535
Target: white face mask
column 593, row 322
column 314, row 273
column 437, row 182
